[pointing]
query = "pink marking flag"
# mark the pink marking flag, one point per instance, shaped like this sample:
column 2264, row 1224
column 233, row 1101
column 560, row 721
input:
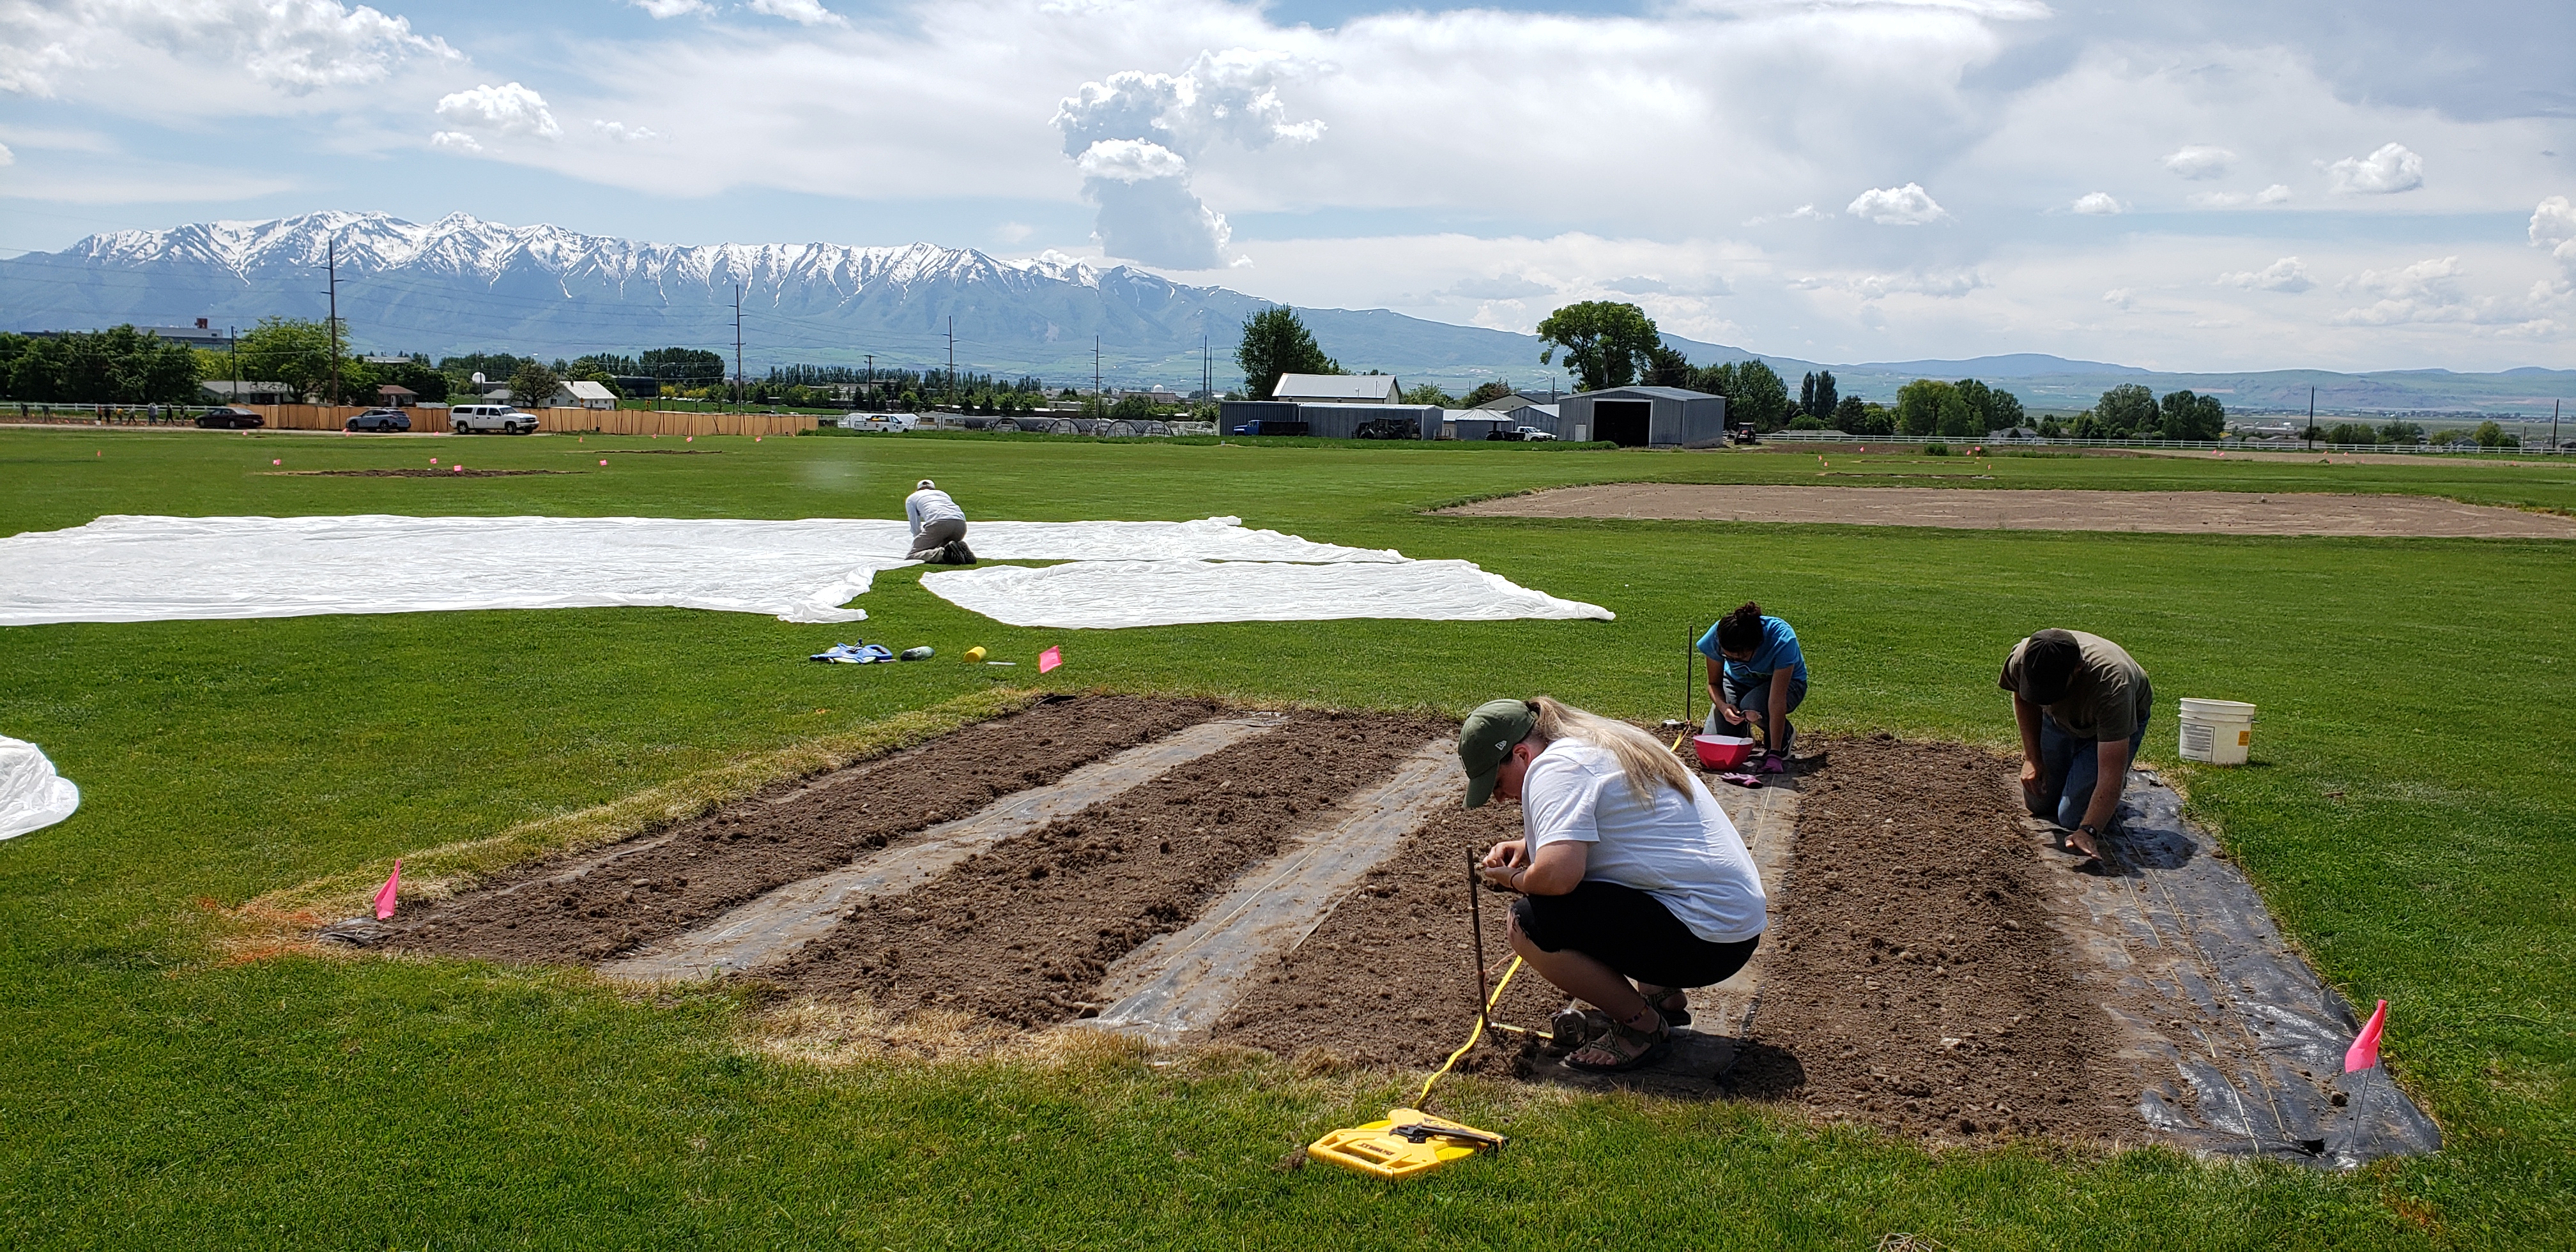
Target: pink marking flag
column 2364, row 1051
column 385, row 894
column 1049, row 659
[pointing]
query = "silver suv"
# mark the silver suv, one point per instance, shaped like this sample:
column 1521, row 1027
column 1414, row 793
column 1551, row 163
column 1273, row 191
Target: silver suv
column 472, row 419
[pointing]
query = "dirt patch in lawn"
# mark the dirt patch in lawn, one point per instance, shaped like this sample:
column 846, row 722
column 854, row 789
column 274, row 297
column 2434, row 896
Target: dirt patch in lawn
column 1023, row 932
column 1917, row 983
column 1389, row 979
column 2170, row 512
column 411, row 473
column 603, row 903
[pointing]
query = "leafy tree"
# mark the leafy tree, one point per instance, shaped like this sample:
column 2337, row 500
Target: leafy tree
column 427, row 383
column 2401, row 432
column 692, row 366
column 533, row 384
column 1754, row 393
column 2349, row 433
column 1275, row 342
column 2187, row 416
column 1817, row 396
column 2124, row 411
column 2490, row 435
column 1993, row 408
column 288, row 350
column 1604, row 342
column 1490, row 389
column 1427, row 393
column 1856, row 416
column 2050, row 428
column 1135, row 408
column 1806, row 421
column 1667, row 367
column 117, row 366
column 1931, row 407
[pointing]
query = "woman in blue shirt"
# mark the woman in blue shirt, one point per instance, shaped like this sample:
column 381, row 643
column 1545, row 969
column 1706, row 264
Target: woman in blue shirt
column 1756, row 677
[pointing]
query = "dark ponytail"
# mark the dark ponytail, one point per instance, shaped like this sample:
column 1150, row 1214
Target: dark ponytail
column 1741, row 630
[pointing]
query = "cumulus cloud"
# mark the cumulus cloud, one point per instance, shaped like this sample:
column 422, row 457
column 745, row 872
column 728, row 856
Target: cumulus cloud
column 1938, row 284
column 2274, row 194
column 2119, row 297
column 2199, row 161
column 2098, row 204
column 659, row 9
column 1499, row 287
column 620, row 132
column 7, row 158
column 296, row 46
column 1134, row 134
column 507, row 110
column 454, row 140
column 2387, row 171
column 807, row 12
column 2427, row 291
column 2553, row 226
column 2286, row 274
column 1908, row 205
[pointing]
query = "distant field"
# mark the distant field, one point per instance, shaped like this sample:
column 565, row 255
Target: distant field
column 2408, row 816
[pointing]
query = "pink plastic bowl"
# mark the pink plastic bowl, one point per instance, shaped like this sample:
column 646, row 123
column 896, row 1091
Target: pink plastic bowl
column 1722, row 751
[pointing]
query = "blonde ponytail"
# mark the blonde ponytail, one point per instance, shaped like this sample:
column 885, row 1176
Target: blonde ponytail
column 1645, row 762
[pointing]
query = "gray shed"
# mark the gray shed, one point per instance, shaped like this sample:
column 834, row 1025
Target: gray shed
column 1638, row 417
column 1342, row 421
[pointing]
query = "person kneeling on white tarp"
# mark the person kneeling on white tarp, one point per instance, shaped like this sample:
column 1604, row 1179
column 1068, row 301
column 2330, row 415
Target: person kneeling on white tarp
column 938, row 526
column 1634, row 885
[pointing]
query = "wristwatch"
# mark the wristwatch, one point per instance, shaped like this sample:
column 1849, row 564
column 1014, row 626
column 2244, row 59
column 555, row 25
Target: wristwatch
column 2089, row 832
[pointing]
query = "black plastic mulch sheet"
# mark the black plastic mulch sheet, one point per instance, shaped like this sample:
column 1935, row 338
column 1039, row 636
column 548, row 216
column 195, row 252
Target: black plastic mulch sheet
column 2238, row 1045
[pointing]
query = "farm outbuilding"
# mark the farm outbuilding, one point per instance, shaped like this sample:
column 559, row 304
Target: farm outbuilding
column 1639, row 417
column 1337, row 389
column 1343, row 421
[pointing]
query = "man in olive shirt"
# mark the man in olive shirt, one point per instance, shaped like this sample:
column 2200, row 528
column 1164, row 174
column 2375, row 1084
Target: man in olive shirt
column 2082, row 704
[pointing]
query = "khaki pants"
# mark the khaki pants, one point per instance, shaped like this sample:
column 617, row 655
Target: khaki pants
column 936, row 535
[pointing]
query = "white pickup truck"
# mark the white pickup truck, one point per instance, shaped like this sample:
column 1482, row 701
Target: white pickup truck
column 472, row 419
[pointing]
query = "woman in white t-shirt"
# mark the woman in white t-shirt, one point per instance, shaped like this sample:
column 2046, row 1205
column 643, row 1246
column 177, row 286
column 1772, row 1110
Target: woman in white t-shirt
column 1634, row 884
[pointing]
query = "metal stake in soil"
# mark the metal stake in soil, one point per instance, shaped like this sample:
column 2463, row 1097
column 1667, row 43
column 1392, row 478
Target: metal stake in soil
column 1476, row 923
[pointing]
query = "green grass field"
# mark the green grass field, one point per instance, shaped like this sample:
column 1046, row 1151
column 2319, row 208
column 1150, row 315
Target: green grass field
column 2410, row 816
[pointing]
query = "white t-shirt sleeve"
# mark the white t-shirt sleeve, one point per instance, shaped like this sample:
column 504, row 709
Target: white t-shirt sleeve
column 1560, row 802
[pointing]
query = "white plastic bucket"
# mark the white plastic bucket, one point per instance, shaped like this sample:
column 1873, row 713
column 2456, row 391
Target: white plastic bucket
column 2219, row 732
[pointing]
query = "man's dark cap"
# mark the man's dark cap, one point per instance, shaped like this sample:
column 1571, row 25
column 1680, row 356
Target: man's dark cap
column 2048, row 663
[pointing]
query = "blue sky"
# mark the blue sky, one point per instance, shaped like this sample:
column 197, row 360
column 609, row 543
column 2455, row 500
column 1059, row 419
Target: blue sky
column 2187, row 185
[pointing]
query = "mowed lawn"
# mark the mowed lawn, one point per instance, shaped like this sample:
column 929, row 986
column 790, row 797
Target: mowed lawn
column 2411, row 815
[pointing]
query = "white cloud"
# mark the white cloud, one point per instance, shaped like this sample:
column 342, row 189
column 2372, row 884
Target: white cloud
column 1499, row 287
column 620, row 132
column 2097, row 203
column 296, row 46
column 2118, row 297
column 1131, row 161
column 1938, row 284
column 2387, row 171
column 7, row 157
column 2427, row 291
column 2554, row 222
column 659, row 9
column 2277, row 193
column 454, row 139
column 2286, row 274
column 2219, row 199
column 807, row 12
column 505, row 110
column 1908, row 205
column 2199, row 161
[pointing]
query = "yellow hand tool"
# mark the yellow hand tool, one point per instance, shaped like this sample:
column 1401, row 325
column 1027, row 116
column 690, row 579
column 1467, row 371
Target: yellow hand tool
column 1406, row 1143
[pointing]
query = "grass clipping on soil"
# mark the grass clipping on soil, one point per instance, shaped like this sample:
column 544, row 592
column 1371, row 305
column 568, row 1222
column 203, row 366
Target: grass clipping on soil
column 441, row 872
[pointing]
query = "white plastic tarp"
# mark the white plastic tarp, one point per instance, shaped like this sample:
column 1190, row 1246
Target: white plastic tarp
column 1111, row 594
column 139, row 569
column 32, row 795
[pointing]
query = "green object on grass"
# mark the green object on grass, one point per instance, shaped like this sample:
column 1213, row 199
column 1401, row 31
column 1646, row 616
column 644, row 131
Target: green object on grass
column 922, row 653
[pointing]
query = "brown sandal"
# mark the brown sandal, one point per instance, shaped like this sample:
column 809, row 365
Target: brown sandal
column 1626, row 1046
column 1672, row 1002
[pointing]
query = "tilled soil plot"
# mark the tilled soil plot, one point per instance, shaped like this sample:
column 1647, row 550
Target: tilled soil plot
column 1389, row 978
column 1917, row 984
column 668, row 882
column 1023, row 932
column 412, row 473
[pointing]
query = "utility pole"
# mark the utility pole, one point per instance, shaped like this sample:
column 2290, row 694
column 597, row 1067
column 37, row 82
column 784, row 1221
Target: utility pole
column 2312, row 419
column 737, row 347
column 235, row 333
column 1099, row 405
column 952, row 361
column 2553, row 426
column 331, row 259
column 872, row 378
column 1207, row 372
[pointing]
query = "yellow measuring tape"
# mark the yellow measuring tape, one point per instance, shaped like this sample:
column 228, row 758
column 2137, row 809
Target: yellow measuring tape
column 1478, row 1032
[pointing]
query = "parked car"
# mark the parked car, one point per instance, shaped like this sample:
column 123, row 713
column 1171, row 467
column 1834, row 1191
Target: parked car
column 1387, row 428
column 894, row 423
column 1265, row 426
column 1535, row 435
column 380, row 420
column 473, row 419
column 1744, row 434
column 230, row 417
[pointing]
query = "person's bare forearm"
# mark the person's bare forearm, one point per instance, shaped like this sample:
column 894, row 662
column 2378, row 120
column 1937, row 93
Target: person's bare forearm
column 2114, row 772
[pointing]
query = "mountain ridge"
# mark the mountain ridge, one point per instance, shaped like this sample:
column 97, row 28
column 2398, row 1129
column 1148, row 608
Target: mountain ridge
column 460, row 283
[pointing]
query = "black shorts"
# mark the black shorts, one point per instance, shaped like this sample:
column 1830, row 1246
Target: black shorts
column 1631, row 932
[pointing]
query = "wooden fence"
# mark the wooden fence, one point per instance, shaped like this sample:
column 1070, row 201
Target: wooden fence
column 565, row 421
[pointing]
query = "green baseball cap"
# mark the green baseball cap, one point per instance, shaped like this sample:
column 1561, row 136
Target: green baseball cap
column 1486, row 740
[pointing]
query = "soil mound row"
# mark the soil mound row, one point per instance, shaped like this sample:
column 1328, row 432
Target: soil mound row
column 1024, row 932
column 1919, row 985
column 601, row 904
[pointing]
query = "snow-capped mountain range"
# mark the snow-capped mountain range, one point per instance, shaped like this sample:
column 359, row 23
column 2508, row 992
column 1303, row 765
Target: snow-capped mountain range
column 464, row 284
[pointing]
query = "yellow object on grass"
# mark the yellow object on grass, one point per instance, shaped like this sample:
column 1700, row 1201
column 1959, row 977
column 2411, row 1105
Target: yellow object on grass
column 1407, row 1142
column 975, row 653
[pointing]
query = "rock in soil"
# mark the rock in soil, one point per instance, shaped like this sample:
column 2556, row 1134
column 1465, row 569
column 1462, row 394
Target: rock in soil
column 668, row 882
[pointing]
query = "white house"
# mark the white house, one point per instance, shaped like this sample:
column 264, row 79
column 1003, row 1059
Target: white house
column 582, row 395
column 1337, row 389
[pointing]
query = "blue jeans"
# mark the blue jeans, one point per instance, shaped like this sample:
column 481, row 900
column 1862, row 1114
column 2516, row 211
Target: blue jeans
column 1755, row 702
column 2069, row 768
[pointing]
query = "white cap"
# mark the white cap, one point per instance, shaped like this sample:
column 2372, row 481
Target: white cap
column 924, row 485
